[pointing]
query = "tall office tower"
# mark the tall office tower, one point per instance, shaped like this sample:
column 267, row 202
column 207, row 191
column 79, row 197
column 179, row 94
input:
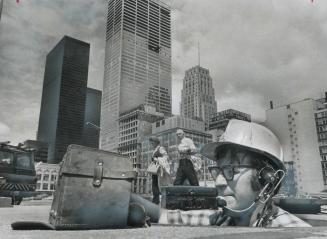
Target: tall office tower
column 198, row 95
column 91, row 131
column 61, row 119
column 295, row 126
column 137, row 62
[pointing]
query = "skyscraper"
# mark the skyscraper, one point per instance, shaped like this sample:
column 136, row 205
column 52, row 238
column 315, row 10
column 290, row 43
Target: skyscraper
column 137, row 62
column 62, row 112
column 198, row 95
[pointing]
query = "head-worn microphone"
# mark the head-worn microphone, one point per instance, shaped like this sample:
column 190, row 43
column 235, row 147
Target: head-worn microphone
column 233, row 212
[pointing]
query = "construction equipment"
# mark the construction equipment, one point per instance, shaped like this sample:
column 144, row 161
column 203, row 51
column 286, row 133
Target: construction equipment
column 17, row 172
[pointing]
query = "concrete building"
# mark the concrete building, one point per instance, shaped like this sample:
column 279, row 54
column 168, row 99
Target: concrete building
column 134, row 125
column 91, row 133
column 295, row 126
column 47, row 176
column 166, row 132
column 321, row 125
column 137, row 62
column 62, row 111
column 219, row 121
column 289, row 187
column 178, row 121
column 41, row 150
column 198, row 95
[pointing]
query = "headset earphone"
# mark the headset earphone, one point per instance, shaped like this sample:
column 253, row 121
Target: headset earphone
column 269, row 180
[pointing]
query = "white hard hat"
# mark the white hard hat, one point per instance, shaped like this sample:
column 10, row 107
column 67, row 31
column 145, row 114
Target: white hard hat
column 253, row 137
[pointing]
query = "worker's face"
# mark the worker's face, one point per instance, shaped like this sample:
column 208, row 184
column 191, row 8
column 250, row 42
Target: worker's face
column 180, row 135
column 153, row 144
column 235, row 184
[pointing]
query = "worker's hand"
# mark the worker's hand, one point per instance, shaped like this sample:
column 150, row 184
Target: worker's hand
column 184, row 150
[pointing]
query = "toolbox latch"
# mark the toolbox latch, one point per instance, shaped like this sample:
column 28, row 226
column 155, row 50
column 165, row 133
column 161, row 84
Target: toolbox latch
column 98, row 171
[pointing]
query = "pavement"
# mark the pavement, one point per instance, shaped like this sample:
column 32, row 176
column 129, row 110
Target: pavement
column 39, row 211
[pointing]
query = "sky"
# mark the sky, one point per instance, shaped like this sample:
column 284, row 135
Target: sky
column 256, row 51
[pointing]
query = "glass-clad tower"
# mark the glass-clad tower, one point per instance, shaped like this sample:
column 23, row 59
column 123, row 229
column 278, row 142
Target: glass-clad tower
column 62, row 111
column 137, row 62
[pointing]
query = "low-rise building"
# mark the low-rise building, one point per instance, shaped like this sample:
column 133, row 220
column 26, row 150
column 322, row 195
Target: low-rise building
column 40, row 149
column 134, row 125
column 219, row 121
column 47, row 176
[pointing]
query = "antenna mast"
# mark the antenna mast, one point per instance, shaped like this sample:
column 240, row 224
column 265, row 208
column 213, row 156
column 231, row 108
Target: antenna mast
column 199, row 53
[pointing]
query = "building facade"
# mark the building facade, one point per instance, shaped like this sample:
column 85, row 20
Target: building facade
column 134, row 125
column 137, row 62
column 295, row 126
column 321, row 126
column 198, row 95
column 47, row 176
column 62, row 112
column 91, row 130
column 166, row 132
column 219, row 121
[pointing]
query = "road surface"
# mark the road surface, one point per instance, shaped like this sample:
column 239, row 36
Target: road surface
column 39, row 210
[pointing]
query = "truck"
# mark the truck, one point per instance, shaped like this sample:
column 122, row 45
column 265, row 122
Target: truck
column 17, row 173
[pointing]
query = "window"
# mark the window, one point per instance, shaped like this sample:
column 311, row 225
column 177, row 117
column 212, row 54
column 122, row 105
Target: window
column 6, row 158
column 45, row 186
column 23, row 161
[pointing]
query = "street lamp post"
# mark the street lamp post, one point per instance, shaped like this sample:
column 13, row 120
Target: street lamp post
column 93, row 125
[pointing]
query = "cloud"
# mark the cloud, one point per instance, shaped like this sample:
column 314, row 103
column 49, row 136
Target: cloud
column 28, row 31
column 273, row 48
column 256, row 51
column 4, row 132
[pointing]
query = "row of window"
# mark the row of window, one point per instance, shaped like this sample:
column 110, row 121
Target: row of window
column 45, row 186
column 46, row 177
column 321, row 114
